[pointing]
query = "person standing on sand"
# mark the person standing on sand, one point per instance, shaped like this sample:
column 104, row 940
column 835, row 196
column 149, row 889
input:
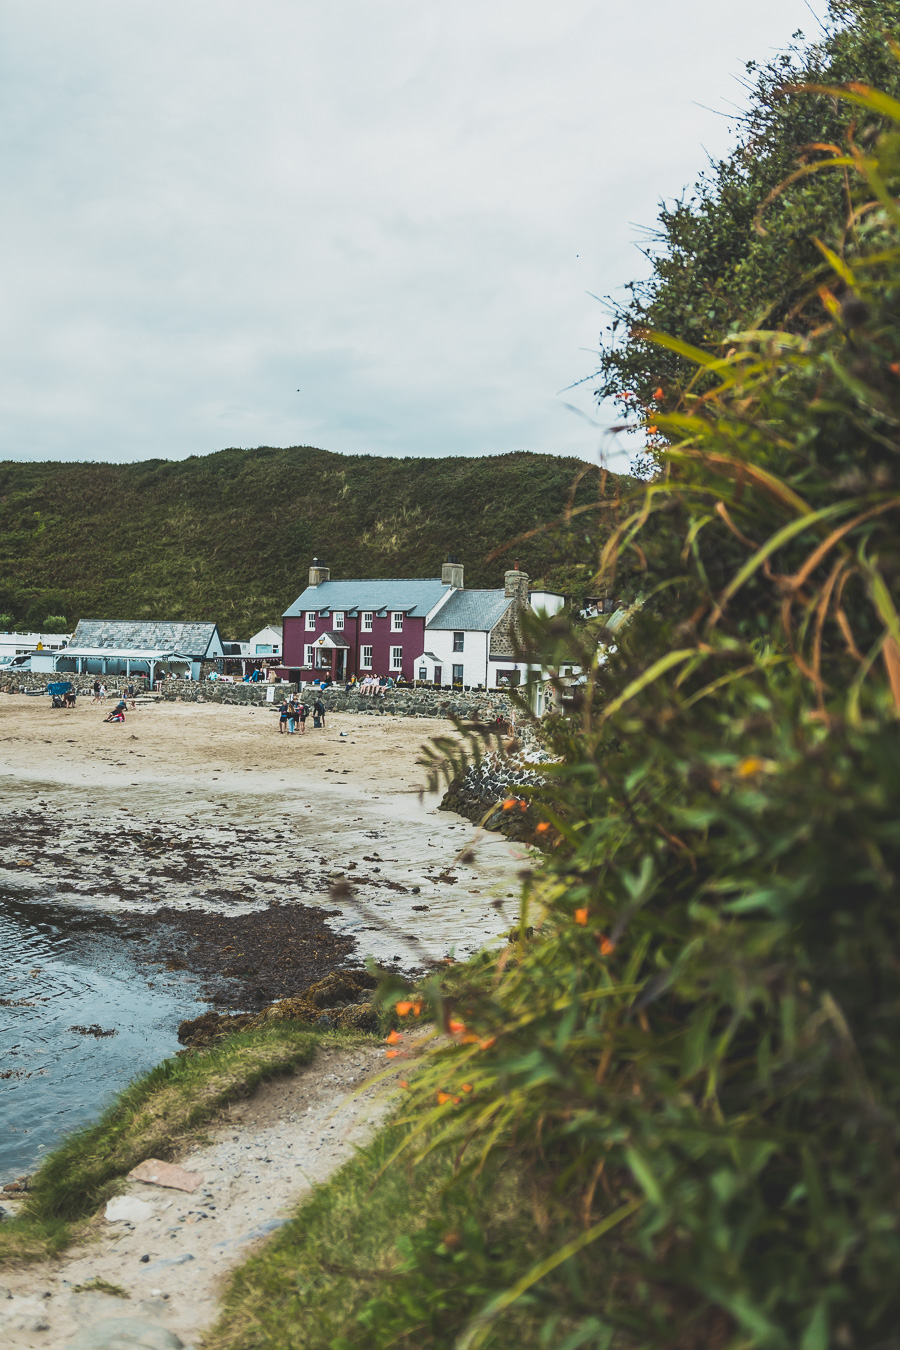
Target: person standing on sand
column 102, row 693
column 96, row 694
column 291, row 716
column 319, row 713
column 283, row 716
column 303, row 713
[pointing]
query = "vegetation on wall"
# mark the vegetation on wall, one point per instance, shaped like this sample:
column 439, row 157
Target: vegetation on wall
column 230, row 536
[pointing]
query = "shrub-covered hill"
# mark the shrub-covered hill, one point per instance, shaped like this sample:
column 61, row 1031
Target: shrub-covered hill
column 229, row 536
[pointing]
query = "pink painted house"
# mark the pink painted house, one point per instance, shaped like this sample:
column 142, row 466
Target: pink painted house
column 367, row 627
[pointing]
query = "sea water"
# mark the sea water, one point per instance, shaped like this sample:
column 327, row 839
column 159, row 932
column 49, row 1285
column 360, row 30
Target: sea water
column 63, row 968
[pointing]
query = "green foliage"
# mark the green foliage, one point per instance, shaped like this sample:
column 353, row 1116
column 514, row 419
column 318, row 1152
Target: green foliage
column 692, row 1064
column 230, row 536
column 55, row 623
column 716, row 264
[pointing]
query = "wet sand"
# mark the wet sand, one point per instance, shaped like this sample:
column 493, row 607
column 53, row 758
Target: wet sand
column 188, row 808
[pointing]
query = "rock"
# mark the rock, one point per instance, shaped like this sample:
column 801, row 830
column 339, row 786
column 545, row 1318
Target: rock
column 125, row 1333
column 157, row 1173
column 127, row 1209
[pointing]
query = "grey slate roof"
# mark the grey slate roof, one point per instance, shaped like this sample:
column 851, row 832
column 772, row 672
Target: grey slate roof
column 192, row 639
column 471, row 611
column 415, row 596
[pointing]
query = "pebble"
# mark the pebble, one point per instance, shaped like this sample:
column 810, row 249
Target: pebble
column 125, row 1333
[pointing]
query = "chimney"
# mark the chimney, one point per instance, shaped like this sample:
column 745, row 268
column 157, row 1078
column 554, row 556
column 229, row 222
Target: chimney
column 318, row 573
column 452, row 572
column 516, row 586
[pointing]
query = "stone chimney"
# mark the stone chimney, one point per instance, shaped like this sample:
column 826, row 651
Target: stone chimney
column 318, row 573
column 452, row 572
column 516, row 586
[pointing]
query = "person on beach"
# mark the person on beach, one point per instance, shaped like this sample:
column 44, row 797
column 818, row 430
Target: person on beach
column 318, row 713
column 96, row 693
column 302, row 713
column 69, row 698
column 117, row 714
column 292, row 716
column 102, row 692
column 283, row 716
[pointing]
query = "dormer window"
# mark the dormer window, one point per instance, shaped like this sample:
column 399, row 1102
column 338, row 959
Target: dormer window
column 397, row 621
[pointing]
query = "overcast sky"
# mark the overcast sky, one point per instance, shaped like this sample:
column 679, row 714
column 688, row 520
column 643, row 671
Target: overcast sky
column 371, row 227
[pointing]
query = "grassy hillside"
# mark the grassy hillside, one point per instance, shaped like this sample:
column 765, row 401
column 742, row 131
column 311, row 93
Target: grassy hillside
column 229, row 536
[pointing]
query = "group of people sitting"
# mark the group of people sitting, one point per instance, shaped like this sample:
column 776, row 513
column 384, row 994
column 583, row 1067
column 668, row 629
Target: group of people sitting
column 371, row 685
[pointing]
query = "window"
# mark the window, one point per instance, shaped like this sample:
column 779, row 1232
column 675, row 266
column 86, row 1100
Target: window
column 264, row 649
column 457, row 674
column 367, row 621
column 396, row 658
column 311, row 620
column 366, row 660
column 397, row 621
column 339, row 619
column 423, row 672
column 309, row 657
column 458, row 641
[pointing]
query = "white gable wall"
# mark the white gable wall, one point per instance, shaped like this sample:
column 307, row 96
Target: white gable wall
column 472, row 658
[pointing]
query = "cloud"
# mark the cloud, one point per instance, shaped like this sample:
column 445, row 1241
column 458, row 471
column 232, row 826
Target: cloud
column 398, row 210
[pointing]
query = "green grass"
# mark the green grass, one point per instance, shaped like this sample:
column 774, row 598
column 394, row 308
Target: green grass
column 153, row 1117
column 353, row 1268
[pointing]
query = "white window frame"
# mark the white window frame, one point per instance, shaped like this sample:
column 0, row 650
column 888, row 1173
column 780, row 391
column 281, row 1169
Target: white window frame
column 396, row 658
column 310, row 621
column 309, row 657
column 397, row 621
column 453, row 675
column 365, row 658
column 339, row 620
column 366, row 620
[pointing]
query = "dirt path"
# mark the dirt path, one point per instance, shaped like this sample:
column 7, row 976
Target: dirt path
column 173, row 1256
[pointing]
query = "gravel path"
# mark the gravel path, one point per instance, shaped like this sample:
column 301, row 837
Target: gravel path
column 173, row 1255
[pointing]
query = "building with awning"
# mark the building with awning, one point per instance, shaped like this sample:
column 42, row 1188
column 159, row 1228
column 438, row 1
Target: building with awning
column 125, row 661
column 167, row 639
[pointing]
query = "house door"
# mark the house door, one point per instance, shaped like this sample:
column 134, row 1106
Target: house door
column 437, row 674
column 340, row 658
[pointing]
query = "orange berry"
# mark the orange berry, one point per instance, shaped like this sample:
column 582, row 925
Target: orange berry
column 895, row 367
column 392, row 1054
column 417, row 1008
column 581, row 917
column 443, row 1097
column 403, row 1083
column 457, row 1027
column 467, row 1087
column 393, row 1037
column 658, row 393
column 543, row 827
column 509, row 804
column 486, row 1044
column 606, row 946
column 403, row 1009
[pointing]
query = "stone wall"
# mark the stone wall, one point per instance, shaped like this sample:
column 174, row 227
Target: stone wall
column 484, row 706
column 480, row 792
column 27, row 681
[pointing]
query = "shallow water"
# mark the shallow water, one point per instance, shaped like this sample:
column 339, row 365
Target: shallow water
column 63, row 967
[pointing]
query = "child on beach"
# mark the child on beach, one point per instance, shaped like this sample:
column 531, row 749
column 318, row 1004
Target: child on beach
column 302, row 713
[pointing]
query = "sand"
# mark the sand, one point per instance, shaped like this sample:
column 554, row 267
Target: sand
column 93, row 812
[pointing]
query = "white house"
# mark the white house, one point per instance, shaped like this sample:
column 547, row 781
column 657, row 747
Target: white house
column 267, row 642
column 469, row 640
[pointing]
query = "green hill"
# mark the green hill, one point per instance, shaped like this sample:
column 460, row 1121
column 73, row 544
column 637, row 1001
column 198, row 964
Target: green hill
column 230, row 536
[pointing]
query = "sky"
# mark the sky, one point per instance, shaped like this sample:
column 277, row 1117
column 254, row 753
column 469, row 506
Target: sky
column 377, row 228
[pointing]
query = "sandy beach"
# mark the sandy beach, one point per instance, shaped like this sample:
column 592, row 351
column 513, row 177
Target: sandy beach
column 206, row 810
